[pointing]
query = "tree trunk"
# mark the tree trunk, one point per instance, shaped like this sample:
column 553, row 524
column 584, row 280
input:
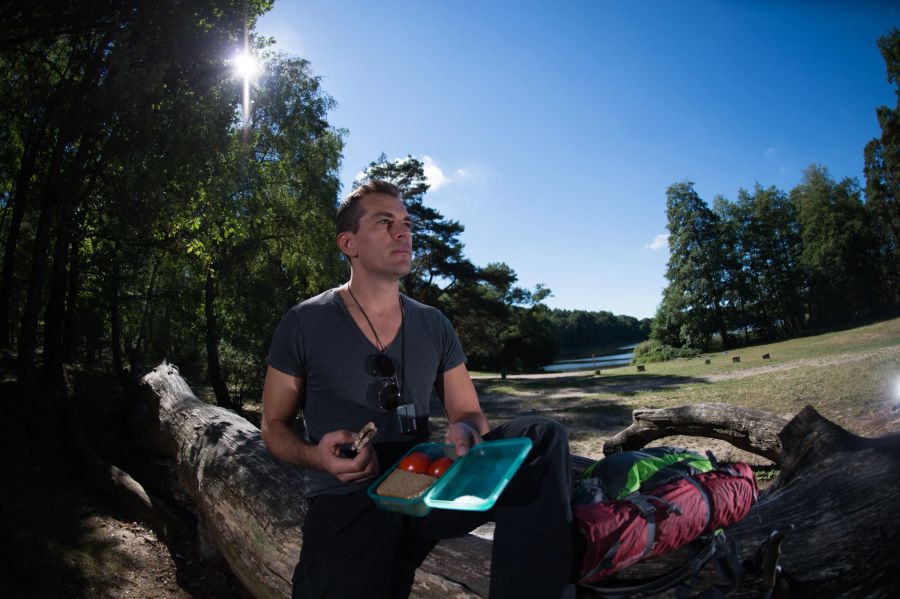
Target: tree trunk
column 19, row 201
column 837, row 489
column 115, row 322
column 68, row 337
column 756, row 432
column 223, row 398
column 146, row 318
column 55, row 313
column 27, row 342
column 839, row 492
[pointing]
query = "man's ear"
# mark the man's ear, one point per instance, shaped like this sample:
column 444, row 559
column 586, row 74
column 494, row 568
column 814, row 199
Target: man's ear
column 346, row 242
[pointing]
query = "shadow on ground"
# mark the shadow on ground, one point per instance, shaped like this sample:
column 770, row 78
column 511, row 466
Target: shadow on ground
column 61, row 538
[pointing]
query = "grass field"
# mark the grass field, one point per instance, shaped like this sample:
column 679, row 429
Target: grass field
column 851, row 377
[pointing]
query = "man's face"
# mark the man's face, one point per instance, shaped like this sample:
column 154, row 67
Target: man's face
column 383, row 243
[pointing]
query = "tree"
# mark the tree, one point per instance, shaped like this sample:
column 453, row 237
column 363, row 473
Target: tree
column 696, row 299
column 839, row 256
column 882, row 171
column 581, row 331
column 767, row 241
column 132, row 198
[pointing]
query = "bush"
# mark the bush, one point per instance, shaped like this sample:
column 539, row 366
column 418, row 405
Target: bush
column 654, row 351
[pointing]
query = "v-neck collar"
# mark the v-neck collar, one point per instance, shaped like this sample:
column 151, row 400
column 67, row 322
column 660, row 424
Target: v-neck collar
column 339, row 299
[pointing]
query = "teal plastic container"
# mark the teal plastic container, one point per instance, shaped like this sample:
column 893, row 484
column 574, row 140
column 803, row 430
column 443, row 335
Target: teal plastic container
column 473, row 483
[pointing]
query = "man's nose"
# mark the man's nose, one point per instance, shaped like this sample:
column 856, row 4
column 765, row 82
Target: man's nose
column 400, row 231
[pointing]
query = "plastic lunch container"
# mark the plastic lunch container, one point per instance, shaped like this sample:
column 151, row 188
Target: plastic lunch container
column 472, row 483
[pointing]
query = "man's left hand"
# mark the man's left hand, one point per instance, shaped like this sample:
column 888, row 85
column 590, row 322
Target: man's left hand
column 463, row 436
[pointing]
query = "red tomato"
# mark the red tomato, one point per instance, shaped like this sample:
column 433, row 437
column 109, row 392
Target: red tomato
column 415, row 462
column 439, row 467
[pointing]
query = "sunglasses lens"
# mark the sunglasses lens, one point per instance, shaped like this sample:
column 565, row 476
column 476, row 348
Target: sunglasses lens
column 389, row 396
column 380, row 365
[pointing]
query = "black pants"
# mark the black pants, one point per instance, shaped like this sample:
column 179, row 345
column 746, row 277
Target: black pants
column 353, row 549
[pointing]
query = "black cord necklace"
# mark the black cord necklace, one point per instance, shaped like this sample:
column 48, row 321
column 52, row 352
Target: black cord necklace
column 380, row 345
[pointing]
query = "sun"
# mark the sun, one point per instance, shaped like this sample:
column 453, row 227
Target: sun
column 246, row 68
column 245, row 65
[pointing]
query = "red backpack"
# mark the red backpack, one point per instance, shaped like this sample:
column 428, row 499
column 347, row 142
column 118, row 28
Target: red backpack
column 635, row 505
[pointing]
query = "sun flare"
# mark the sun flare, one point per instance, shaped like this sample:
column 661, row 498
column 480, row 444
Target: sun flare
column 245, row 65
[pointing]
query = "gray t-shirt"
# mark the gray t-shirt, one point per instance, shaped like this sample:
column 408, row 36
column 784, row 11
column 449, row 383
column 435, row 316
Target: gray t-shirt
column 319, row 341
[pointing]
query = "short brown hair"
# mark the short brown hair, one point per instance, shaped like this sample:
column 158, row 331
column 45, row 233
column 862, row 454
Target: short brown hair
column 349, row 211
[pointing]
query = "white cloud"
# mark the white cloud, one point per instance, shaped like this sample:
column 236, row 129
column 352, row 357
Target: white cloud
column 434, row 174
column 770, row 152
column 661, row 241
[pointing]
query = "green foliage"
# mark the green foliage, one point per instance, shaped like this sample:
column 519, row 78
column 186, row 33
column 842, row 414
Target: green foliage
column 882, row 171
column 769, row 265
column 652, row 351
column 127, row 162
column 839, row 257
column 700, row 270
column 581, row 329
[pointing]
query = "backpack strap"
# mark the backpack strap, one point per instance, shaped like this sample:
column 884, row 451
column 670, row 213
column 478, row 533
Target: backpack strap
column 643, row 502
column 607, row 562
column 681, row 576
column 706, row 500
column 728, row 567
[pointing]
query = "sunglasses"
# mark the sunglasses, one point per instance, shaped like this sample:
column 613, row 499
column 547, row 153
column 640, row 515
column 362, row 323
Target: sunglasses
column 381, row 367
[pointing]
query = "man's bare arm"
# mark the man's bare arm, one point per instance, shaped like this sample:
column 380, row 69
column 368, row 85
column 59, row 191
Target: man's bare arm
column 467, row 421
column 281, row 403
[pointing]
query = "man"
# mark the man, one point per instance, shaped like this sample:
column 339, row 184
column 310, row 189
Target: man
column 364, row 352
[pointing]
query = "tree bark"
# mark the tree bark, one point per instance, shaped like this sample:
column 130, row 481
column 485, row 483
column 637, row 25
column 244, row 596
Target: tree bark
column 213, row 366
column 19, row 201
column 68, row 338
column 54, row 315
column 28, row 331
column 750, row 430
column 838, row 490
column 68, row 133
column 115, row 322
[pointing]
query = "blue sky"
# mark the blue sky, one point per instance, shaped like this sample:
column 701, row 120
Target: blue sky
column 552, row 130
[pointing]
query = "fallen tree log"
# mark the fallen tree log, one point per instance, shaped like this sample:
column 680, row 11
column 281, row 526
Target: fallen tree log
column 252, row 505
column 835, row 488
column 750, row 430
column 839, row 492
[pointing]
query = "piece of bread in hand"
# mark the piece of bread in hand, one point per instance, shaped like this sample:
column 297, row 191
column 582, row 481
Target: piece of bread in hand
column 404, row 484
column 365, row 435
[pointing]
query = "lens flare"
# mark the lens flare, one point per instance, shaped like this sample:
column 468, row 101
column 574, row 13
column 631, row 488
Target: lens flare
column 245, row 65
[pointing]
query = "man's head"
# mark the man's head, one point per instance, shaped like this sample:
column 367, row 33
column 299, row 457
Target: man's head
column 374, row 230
column 350, row 209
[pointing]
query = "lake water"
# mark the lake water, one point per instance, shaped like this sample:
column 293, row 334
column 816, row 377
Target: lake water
column 623, row 357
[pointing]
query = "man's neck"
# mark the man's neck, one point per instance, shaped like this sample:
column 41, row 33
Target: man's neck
column 377, row 295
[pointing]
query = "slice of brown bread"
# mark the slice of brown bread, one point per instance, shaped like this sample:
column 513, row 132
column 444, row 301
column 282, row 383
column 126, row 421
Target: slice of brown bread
column 404, row 484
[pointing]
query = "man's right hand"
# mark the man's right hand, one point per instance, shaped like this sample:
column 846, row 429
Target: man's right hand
column 364, row 466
